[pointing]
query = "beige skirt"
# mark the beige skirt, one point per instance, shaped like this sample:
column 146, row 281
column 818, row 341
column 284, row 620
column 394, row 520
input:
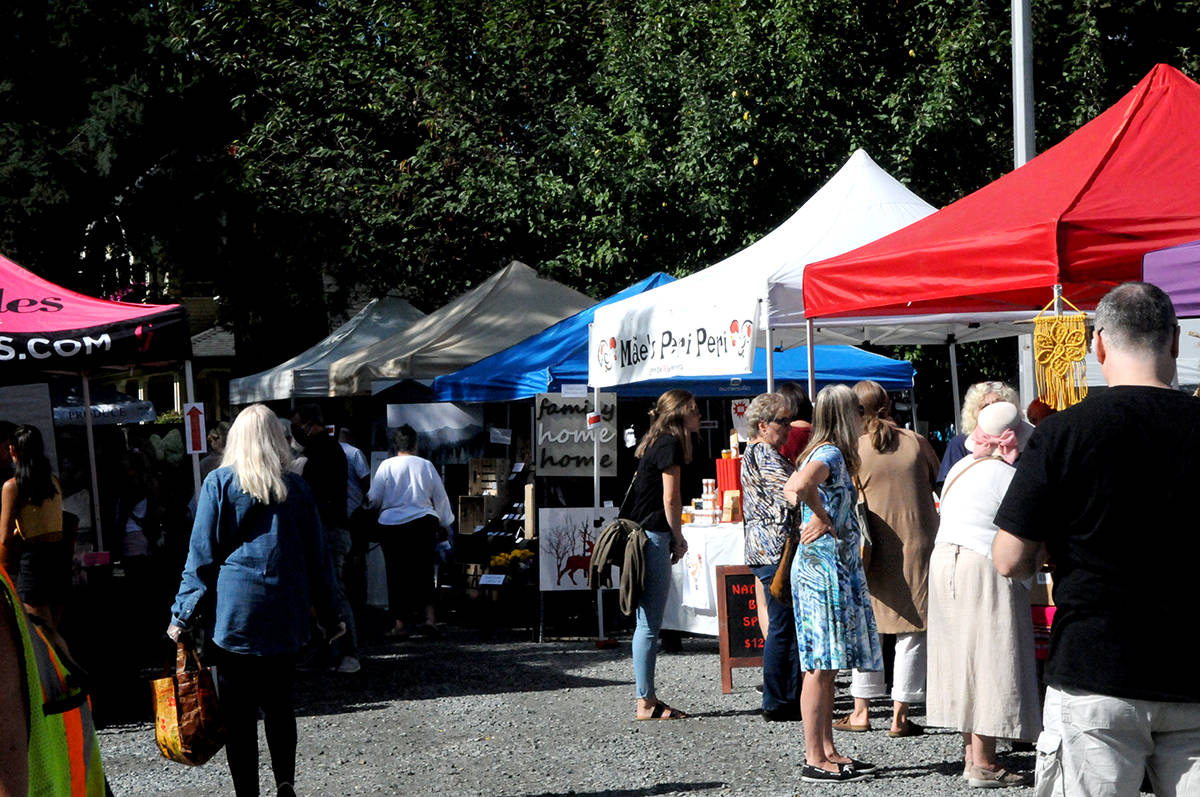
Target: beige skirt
column 982, row 672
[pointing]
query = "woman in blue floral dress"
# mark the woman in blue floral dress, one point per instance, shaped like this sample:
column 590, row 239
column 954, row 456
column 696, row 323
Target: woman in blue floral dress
column 835, row 627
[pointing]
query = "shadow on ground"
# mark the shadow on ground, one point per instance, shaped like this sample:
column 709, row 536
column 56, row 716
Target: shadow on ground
column 658, row 788
column 458, row 664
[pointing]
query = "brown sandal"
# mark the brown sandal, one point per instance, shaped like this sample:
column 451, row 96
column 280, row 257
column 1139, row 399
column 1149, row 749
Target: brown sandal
column 844, row 725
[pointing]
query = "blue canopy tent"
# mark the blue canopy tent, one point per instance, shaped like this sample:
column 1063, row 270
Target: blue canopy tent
column 542, row 363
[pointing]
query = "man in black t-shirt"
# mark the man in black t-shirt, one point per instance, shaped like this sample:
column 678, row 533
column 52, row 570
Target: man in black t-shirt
column 1107, row 489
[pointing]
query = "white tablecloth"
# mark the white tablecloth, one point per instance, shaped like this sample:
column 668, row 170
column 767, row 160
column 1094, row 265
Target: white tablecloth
column 692, row 599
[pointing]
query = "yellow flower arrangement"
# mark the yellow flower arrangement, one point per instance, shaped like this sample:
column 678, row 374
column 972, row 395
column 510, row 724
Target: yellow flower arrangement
column 503, row 561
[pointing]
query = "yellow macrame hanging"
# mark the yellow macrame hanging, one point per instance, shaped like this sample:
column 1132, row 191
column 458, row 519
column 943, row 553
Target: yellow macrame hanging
column 1060, row 349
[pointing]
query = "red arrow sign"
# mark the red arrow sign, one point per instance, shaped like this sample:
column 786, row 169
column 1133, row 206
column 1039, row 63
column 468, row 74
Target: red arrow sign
column 195, row 428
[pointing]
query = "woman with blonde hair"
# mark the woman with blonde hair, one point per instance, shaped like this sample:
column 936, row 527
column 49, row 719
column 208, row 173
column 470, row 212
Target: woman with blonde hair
column 655, row 503
column 257, row 562
column 835, row 628
column 978, row 396
column 896, row 480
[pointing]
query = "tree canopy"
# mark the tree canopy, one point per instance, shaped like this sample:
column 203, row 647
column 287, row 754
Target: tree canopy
column 282, row 153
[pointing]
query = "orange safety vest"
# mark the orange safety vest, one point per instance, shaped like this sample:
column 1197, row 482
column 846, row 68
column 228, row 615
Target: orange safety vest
column 64, row 754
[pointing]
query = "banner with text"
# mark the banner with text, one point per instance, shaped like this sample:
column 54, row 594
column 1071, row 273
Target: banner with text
column 659, row 343
column 565, row 444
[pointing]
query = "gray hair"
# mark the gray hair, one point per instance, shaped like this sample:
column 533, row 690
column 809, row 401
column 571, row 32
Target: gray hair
column 973, row 401
column 1137, row 318
column 765, row 407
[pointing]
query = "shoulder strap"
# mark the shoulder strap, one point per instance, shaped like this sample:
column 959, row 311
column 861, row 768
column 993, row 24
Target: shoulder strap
column 946, row 489
column 621, row 510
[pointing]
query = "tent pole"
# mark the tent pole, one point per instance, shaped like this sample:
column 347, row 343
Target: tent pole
column 1022, row 71
column 91, row 446
column 1023, row 150
column 537, row 501
column 914, row 407
column 191, row 399
column 812, row 359
column 764, row 313
column 596, row 506
column 954, row 381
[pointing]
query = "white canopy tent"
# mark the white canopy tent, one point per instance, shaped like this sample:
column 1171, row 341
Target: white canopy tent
column 508, row 307
column 307, row 374
column 698, row 324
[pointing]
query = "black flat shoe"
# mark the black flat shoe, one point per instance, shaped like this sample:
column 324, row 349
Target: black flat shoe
column 781, row 714
column 846, row 773
column 859, row 766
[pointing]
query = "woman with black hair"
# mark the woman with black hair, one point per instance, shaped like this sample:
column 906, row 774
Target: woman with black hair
column 32, row 543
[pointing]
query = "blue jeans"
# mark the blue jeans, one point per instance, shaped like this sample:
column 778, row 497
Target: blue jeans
column 339, row 544
column 781, row 662
column 651, row 604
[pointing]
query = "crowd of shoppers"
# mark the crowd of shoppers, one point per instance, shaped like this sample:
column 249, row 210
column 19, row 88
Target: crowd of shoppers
column 968, row 632
column 950, row 583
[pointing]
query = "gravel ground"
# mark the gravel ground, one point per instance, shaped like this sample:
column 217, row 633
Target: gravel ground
column 479, row 713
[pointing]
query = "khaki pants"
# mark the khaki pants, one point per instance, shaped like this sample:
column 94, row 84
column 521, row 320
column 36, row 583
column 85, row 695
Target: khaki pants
column 1109, row 743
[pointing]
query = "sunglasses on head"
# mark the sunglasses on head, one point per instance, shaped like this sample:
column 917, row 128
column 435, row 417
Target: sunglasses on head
column 781, row 421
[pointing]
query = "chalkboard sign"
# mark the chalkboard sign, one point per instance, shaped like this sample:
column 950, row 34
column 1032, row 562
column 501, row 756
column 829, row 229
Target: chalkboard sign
column 737, row 615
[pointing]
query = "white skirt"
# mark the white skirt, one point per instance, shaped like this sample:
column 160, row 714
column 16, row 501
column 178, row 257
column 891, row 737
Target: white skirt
column 982, row 671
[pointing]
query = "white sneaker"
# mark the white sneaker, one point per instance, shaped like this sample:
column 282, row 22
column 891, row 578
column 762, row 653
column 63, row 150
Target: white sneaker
column 349, row 664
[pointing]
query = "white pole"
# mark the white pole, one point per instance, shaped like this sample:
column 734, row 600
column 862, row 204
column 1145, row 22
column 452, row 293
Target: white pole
column 1022, row 71
column 596, row 506
column 1023, row 150
column 191, row 399
column 91, row 446
column 764, row 314
column 812, row 359
column 954, row 383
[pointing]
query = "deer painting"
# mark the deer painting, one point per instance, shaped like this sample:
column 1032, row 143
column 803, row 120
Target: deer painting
column 578, row 562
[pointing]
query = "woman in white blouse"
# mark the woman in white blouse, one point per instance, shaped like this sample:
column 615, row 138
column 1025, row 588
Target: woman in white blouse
column 412, row 504
column 982, row 673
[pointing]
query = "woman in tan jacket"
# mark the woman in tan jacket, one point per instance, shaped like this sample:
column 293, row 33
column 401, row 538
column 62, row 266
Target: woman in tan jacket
column 897, row 473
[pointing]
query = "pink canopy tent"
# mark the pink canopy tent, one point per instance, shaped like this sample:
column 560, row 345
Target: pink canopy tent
column 47, row 328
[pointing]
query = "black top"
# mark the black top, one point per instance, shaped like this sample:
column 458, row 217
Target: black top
column 1110, row 485
column 645, row 504
column 325, row 473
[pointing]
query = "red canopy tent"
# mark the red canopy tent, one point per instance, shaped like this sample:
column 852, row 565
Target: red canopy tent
column 1080, row 215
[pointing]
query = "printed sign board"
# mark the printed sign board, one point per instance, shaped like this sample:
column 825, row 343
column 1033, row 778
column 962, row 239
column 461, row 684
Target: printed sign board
column 696, row 340
column 566, row 537
column 565, row 444
column 193, row 428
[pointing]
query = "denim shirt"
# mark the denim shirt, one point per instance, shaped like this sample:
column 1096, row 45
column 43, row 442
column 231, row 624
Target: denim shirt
column 254, row 569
